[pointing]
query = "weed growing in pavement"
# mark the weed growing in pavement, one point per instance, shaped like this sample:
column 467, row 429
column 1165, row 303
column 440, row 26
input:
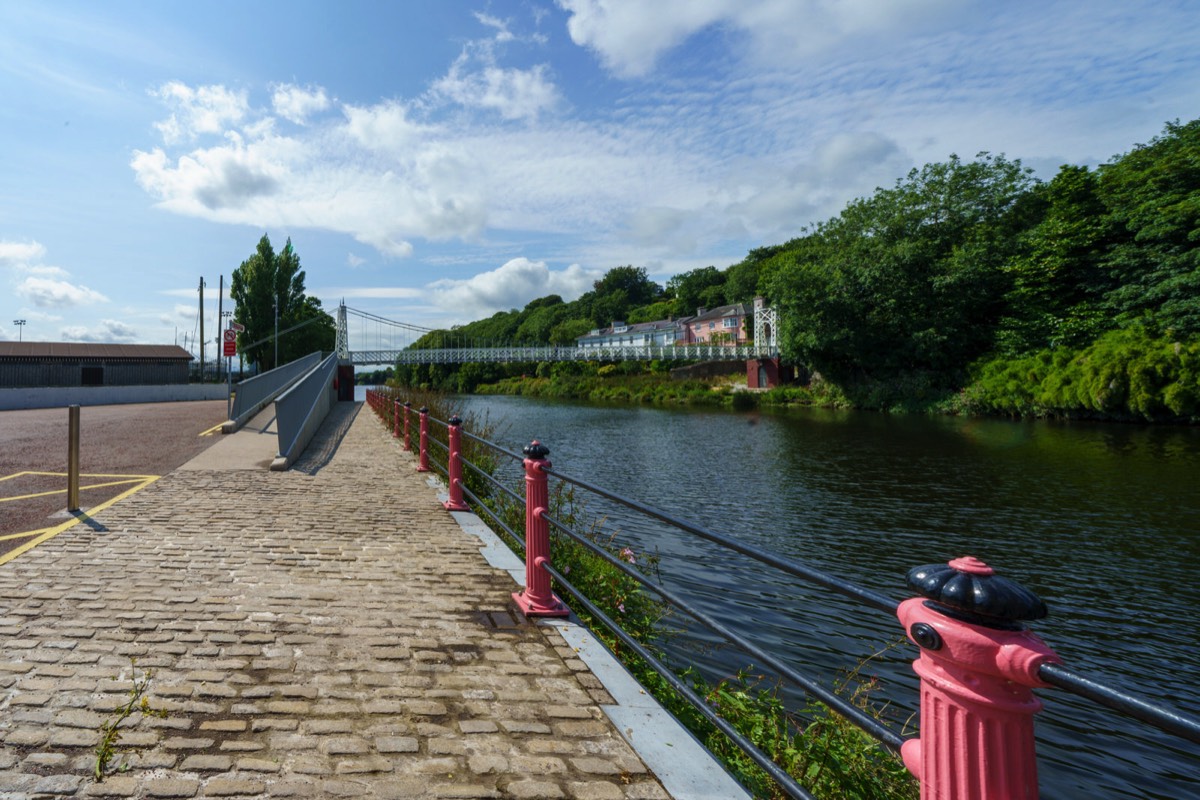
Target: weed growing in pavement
column 110, row 731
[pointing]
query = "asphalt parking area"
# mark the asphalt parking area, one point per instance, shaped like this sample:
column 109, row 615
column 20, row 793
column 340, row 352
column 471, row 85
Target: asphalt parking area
column 122, row 448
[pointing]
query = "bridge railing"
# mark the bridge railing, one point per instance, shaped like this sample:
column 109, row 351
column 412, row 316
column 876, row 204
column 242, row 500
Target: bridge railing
column 531, row 354
column 977, row 661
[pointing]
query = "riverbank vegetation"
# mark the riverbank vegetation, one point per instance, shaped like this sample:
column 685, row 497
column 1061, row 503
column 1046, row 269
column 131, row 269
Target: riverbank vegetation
column 967, row 287
column 827, row 754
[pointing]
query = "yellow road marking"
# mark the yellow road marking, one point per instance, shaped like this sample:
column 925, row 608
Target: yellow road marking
column 64, row 491
column 22, row 534
column 47, row 534
column 82, row 475
column 212, row 430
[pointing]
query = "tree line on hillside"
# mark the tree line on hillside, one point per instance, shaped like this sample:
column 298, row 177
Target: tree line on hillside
column 968, row 279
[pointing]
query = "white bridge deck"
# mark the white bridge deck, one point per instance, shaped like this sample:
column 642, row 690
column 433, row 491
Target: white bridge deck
column 514, row 354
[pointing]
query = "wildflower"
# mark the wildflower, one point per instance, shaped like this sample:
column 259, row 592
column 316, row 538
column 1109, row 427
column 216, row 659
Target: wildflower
column 567, row 570
column 621, row 607
column 628, row 555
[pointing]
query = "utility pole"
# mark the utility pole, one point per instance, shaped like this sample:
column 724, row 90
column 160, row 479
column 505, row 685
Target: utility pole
column 202, row 329
column 220, row 324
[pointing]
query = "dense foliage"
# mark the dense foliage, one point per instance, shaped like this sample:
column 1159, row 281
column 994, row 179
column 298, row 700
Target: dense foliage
column 968, row 285
column 270, row 283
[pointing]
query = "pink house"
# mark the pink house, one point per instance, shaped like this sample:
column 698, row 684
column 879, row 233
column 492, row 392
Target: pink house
column 720, row 325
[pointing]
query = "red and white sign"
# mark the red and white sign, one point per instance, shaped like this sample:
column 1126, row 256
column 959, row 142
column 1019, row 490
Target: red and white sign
column 230, row 342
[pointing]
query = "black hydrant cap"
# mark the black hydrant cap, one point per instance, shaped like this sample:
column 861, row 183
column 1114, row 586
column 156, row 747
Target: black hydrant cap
column 970, row 590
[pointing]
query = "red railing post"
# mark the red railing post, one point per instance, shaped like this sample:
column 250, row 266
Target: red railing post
column 423, row 458
column 977, row 666
column 537, row 600
column 407, row 440
column 395, row 419
column 454, row 467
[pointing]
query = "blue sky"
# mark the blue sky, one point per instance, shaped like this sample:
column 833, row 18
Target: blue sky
column 434, row 162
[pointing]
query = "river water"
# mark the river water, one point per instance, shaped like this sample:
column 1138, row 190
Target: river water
column 1101, row 521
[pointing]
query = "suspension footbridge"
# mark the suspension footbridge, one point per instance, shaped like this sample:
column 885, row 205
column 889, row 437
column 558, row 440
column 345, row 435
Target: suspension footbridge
column 365, row 339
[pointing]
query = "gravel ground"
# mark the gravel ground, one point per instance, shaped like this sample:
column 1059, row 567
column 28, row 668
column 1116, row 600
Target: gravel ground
column 137, row 439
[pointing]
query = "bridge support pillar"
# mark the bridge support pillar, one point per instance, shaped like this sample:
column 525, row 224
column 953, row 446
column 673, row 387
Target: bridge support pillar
column 454, row 467
column 537, row 600
column 423, row 457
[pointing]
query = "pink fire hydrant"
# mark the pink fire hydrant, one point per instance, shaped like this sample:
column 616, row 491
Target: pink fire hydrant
column 537, row 600
column 977, row 666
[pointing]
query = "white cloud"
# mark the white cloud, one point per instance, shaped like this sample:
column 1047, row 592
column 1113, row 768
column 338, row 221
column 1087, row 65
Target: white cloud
column 503, row 34
column 206, row 109
column 514, row 93
column 511, row 285
column 110, row 331
column 297, row 104
column 354, row 261
column 51, row 293
column 14, row 254
column 629, row 36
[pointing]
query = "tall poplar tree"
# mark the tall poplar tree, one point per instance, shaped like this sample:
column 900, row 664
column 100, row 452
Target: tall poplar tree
column 267, row 278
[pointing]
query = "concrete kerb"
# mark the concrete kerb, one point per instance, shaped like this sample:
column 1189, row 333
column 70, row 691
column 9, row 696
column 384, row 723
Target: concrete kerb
column 684, row 766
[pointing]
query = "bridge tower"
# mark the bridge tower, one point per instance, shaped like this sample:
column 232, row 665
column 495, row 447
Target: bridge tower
column 766, row 326
column 343, row 336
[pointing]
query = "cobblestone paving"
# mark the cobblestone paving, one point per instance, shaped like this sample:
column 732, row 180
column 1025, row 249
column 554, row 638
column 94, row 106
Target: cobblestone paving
column 310, row 635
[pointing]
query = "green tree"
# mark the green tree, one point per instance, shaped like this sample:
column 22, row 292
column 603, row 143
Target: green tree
column 699, row 287
column 1153, row 194
column 268, row 281
column 1059, row 280
column 909, row 279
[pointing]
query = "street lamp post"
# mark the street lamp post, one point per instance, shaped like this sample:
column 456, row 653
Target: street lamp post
column 20, row 323
column 276, row 364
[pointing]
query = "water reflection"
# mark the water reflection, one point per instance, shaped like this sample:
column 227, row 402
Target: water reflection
column 1103, row 521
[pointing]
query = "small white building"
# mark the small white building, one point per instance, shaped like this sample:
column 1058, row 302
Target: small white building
column 661, row 333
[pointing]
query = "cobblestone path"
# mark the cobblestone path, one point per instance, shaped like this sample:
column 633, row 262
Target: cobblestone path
column 309, row 635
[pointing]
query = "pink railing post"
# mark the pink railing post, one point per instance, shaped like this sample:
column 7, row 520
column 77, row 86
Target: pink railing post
column 454, row 467
column 537, row 600
column 395, row 419
column 407, row 440
column 423, row 458
column 977, row 666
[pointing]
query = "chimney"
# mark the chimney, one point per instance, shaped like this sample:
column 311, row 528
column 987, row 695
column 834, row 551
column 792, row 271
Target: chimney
column 700, row 311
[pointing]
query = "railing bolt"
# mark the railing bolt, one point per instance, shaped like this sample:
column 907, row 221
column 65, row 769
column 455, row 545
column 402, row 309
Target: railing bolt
column 977, row 666
column 454, row 467
column 423, row 458
column 537, row 600
column 407, row 441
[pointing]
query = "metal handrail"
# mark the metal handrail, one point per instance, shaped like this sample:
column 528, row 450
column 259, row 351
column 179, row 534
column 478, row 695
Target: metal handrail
column 1053, row 674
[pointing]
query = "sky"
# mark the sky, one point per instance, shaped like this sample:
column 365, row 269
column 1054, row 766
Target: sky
column 435, row 162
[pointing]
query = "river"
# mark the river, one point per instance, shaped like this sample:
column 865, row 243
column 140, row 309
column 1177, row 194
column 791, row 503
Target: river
column 1101, row 520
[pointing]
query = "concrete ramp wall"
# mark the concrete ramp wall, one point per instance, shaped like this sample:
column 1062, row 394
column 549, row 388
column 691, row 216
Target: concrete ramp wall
column 253, row 394
column 301, row 409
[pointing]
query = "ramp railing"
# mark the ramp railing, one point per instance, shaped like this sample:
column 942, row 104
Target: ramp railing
column 253, row 394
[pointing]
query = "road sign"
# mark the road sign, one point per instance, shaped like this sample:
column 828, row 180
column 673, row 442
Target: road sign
column 230, row 342
column 237, row 326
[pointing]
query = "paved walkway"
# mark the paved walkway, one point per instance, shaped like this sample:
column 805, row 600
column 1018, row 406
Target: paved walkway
column 328, row 631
